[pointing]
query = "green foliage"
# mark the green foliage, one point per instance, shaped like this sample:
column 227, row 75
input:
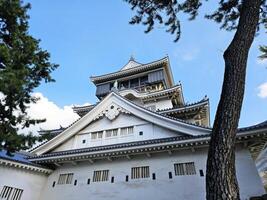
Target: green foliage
column 23, row 66
column 166, row 12
column 263, row 49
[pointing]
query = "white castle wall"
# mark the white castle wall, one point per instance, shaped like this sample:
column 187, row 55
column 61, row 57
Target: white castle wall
column 31, row 182
column 180, row 187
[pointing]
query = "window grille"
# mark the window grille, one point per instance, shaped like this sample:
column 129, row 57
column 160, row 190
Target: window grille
column 65, row 179
column 182, row 169
column 140, row 172
column 127, row 130
column 11, row 193
column 111, row 133
column 100, row 175
column 97, row 135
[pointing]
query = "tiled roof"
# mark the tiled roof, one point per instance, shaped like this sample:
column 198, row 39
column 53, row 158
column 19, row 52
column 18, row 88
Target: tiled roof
column 17, row 157
column 129, row 71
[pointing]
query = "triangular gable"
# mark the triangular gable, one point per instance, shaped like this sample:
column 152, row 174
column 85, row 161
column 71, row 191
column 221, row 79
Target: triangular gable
column 111, row 106
column 130, row 64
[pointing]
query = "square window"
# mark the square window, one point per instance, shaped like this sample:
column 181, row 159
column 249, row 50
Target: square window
column 84, row 141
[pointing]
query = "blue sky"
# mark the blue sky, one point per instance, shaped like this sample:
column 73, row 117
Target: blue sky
column 87, row 38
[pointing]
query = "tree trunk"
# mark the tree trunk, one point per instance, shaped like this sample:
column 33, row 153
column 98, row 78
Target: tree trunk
column 221, row 182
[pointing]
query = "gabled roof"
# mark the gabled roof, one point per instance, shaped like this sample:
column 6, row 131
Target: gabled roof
column 131, row 64
column 113, row 98
column 134, row 70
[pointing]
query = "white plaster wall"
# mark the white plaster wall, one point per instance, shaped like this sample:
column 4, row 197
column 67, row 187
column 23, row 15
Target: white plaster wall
column 31, row 182
column 150, row 131
column 180, row 187
column 160, row 104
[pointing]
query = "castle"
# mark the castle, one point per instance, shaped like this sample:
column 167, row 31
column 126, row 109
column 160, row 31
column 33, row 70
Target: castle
column 140, row 141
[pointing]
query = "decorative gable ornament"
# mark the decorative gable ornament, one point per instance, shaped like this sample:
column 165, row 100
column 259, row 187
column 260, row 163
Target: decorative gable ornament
column 111, row 112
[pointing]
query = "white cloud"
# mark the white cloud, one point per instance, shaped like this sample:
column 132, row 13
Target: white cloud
column 54, row 115
column 262, row 90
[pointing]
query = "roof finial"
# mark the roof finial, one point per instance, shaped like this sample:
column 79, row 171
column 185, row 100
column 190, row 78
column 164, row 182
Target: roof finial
column 131, row 58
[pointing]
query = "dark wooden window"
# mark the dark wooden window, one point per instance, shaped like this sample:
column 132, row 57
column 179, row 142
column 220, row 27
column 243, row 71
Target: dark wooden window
column 143, row 80
column 141, row 133
column 134, row 82
column 140, row 172
column 182, row 169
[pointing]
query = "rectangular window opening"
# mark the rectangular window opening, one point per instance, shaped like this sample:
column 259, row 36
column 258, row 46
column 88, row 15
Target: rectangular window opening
column 127, row 130
column 127, row 178
column 140, row 172
column 65, row 179
column 112, row 179
column 100, row 175
column 112, row 133
column 88, row 181
column 11, row 193
column 183, row 169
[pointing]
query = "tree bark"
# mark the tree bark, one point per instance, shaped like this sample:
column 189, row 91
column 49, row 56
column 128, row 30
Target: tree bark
column 221, row 181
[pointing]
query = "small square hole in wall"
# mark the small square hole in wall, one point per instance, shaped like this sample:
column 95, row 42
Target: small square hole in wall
column 154, row 176
column 141, row 133
column 201, row 172
column 84, row 141
column 170, row 175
